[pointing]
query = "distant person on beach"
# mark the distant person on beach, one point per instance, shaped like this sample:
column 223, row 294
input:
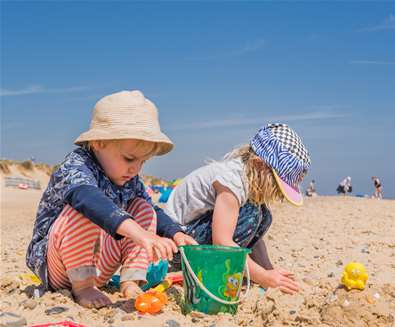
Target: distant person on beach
column 378, row 188
column 227, row 202
column 345, row 186
column 311, row 191
column 95, row 216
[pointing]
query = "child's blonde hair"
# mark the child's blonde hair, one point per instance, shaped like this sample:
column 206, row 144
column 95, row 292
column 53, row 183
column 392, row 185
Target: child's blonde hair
column 89, row 145
column 263, row 188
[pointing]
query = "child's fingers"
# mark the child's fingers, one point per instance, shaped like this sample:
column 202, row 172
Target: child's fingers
column 289, row 286
column 290, row 276
column 157, row 256
column 293, row 283
column 169, row 249
column 286, row 290
column 162, row 250
column 149, row 250
column 285, row 272
column 173, row 245
column 184, row 239
column 289, row 283
column 181, row 242
column 190, row 240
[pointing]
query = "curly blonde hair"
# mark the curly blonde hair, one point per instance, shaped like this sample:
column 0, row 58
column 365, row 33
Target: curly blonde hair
column 263, row 188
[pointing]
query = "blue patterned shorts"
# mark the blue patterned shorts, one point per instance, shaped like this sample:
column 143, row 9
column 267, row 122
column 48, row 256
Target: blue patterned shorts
column 252, row 223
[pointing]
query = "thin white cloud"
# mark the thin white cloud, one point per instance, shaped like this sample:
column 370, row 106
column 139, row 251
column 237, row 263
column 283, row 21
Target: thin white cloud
column 28, row 90
column 387, row 24
column 37, row 89
column 248, row 47
column 241, row 51
column 245, row 121
column 372, row 62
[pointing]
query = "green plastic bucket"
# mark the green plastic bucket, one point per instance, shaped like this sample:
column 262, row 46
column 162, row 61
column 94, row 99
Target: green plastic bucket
column 213, row 277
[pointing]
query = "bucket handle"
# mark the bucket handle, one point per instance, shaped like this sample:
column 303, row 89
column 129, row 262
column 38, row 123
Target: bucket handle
column 214, row 297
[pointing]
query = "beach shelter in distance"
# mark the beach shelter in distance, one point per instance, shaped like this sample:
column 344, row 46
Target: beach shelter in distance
column 149, row 191
column 176, row 182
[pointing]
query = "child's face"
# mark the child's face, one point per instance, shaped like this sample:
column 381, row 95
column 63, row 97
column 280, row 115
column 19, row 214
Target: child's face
column 122, row 160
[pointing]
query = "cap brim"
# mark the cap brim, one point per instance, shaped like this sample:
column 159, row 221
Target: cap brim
column 292, row 195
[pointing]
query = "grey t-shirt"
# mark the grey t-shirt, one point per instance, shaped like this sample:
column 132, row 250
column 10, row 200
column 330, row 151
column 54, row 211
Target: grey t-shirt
column 196, row 194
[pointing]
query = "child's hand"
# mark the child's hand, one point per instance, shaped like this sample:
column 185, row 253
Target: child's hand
column 183, row 239
column 281, row 279
column 157, row 247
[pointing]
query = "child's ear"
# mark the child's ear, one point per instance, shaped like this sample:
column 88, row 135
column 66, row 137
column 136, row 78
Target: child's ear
column 98, row 145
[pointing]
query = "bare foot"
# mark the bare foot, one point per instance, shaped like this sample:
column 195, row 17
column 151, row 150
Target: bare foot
column 91, row 297
column 130, row 289
column 88, row 295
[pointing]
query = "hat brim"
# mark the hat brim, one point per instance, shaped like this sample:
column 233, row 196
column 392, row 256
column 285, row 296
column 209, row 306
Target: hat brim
column 164, row 143
column 292, row 195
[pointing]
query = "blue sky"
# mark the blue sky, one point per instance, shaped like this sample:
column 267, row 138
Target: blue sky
column 216, row 71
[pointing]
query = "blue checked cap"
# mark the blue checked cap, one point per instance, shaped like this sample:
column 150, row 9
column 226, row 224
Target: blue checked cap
column 282, row 149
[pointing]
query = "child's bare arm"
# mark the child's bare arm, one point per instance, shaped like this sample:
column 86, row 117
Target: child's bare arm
column 226, row 211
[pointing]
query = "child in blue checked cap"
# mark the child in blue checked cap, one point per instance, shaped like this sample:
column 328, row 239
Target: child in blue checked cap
column 95, row 216
column 226, row 202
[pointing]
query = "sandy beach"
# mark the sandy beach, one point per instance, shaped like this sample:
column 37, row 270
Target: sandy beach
column 314, row 241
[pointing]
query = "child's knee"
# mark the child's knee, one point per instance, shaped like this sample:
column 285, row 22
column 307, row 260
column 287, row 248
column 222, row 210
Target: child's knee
column 72, row 229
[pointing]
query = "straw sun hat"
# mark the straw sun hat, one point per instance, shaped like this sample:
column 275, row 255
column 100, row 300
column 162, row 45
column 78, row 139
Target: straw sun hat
column 126, row 115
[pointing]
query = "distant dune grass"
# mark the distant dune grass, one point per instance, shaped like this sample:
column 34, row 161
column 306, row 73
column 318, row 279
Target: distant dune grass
column 5, row 167
column 28, row 166
column 24, row 166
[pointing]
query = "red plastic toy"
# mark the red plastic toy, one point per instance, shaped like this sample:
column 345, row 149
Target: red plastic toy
column 60, row 323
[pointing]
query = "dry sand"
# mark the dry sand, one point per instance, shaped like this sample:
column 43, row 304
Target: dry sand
column 314, row 241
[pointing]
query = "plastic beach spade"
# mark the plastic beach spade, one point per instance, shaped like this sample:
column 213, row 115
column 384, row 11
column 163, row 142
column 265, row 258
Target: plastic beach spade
column 213, row 277
column 156, row 273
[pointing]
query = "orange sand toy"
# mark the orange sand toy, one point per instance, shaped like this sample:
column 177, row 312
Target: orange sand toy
column 150, row 302
column 153, row 300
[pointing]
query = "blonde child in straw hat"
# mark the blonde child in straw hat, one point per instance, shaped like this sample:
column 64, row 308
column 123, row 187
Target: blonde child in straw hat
column 95, row 215
column 228, row 201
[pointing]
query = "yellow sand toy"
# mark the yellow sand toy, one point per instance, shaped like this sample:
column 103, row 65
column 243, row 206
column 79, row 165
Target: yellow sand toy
column 27, row 279
column 354, row 276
